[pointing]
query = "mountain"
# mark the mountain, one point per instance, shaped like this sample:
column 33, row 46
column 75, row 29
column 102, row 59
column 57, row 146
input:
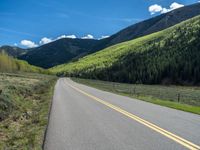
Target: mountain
column 12, row 51
column 152, row 25
column 168, row 56
column 66, row 50
column 59, row 52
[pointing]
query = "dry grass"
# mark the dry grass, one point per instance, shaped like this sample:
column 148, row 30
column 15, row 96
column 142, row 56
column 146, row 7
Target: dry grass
column 24, row 106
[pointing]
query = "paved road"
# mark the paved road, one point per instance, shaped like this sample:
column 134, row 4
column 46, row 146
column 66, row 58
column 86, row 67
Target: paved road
column 84, row 118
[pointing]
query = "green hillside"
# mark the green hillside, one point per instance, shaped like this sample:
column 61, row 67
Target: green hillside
column 169, row 56
column 9, row 64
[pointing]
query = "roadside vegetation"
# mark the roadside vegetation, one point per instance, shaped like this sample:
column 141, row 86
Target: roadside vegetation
column 24, row 105
column 177, row 97
column 170, row 56
column 9, row 64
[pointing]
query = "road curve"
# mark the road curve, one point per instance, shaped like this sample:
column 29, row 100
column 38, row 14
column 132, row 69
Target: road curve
column 84, row 118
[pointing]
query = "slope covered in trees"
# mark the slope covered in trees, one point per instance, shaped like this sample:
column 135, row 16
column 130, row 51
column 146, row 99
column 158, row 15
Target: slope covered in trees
column 171, row 55
column 9, row 64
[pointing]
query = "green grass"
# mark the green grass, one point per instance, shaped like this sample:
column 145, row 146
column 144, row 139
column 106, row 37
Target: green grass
column 177, row 97
column 24, row 105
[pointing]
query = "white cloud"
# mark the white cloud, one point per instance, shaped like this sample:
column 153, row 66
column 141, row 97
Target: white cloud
column 45, row 40
column 104, row 37
column 165, row 10
column 89, row 36
column 66, row 36
column 159, row 9
column 15, row 44
column 155, row 8
column 71, row 36
column 28, row 43
column 175, row 6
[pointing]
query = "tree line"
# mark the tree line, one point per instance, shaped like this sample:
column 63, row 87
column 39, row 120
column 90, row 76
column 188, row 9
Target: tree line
column 10, row 64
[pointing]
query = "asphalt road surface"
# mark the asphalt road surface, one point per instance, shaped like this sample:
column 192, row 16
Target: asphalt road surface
column 84, row 118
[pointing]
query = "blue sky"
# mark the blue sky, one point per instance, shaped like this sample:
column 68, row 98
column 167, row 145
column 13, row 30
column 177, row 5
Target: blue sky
column 25, row 22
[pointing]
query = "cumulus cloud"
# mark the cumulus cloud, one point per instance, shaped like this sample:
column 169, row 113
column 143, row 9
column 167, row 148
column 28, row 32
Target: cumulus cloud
column 159, row 9
column 175, row 6
column 155, row 8
column 71, row 36
column 89, row 36
column 45, row 40
column 104, row 37
column 164, row 10
column 67, row 36
column 28, row 44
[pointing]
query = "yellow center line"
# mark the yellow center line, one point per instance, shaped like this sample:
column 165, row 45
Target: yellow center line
column 152, row 126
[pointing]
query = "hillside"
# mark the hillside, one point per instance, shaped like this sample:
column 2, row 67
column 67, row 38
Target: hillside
column 12, row 51
column 58, row 52
column 169, row 56
column 152, row 25
column 66, row 50
column 9, row 64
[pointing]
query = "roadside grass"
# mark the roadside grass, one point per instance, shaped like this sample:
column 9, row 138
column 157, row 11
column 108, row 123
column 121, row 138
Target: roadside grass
column 177, row 97
column 24, row 106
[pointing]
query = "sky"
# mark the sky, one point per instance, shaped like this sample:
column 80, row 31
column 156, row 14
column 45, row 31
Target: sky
column 31, row 23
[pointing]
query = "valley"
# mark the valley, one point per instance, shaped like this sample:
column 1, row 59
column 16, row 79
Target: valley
column 66, row 50
column 135, row 89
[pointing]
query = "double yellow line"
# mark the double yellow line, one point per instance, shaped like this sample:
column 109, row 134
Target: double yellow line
column 152, row 126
